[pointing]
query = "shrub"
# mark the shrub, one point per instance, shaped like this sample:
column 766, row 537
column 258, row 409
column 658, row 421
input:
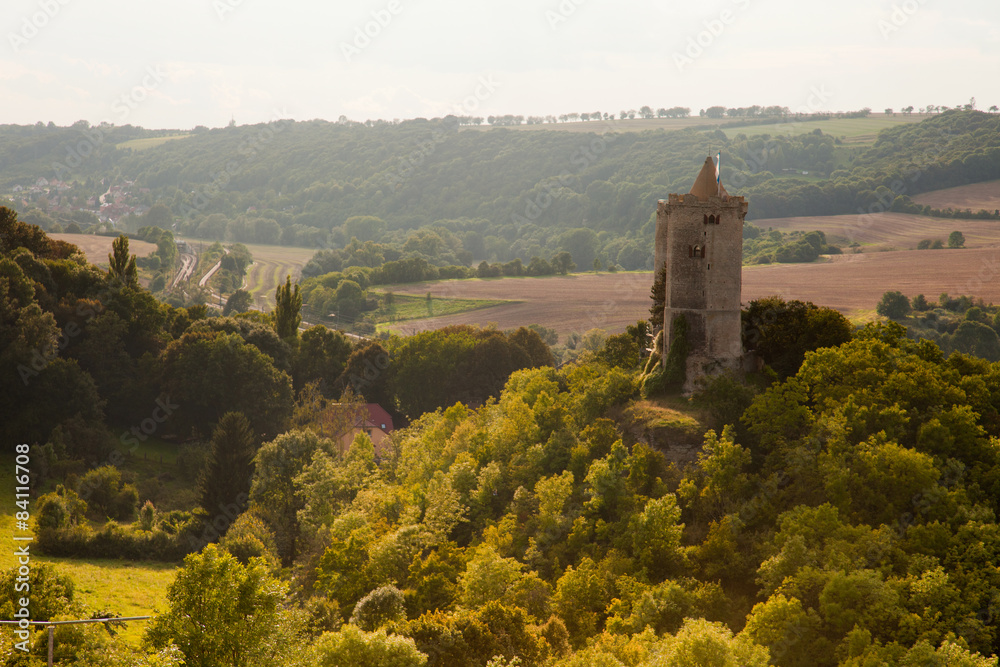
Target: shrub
column 894, row 305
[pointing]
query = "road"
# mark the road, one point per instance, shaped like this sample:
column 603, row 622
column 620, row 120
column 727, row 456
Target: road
column 211, row 271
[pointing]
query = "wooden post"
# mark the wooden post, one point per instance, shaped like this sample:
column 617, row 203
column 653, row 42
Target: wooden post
column 52, row 633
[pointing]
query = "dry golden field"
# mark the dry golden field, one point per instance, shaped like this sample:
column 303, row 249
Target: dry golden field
column 97, row 248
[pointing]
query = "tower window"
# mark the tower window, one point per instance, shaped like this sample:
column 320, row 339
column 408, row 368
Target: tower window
column 705, row 219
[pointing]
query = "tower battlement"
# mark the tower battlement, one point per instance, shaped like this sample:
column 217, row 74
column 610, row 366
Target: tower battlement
column 699, row 241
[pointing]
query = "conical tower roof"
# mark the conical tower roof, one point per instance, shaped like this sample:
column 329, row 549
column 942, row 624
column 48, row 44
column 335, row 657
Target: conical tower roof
column 705, row 185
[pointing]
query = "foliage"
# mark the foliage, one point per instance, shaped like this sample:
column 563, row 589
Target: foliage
column 382, row 606
column 229, row 469
column 238, row 302
column 287, row 307
column 781, row 332
column 435, row 369
column 351, row 646
column 222, row 612
column 103, row 490
column 894, row 305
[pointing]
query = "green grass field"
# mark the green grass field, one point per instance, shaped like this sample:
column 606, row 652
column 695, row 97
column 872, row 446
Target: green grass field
column 406, row 307
column 149, row 142
column 122, row 587
column 853, row 130
column 861, row 130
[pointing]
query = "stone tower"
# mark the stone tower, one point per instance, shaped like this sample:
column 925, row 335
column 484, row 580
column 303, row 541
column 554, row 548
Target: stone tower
column 699, row 238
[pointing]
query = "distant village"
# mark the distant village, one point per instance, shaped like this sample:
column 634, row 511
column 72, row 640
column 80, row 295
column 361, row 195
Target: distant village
column 55, row 198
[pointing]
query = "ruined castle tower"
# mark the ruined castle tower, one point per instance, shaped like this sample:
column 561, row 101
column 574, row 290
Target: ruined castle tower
column 699, row 238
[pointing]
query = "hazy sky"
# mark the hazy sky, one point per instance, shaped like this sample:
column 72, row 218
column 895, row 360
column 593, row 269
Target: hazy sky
column 181, row 63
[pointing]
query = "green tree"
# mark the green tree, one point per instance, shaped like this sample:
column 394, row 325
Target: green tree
column 221, row 612
column 364, row 228
column 121, row 266
column 781, row 332
column 562, row 262
column 277, row 464
column 956, row 240
column 103, row 490
column 321, row 355
column 658, row 293
column 158, row 215
column 201, row 371
column 239, row 301
column 700, row 643
column 357, row 648
column 656, row 536
column 977, row 339
column 894, row 305
column 287, row 309
column 382, row 606
column 229, row 469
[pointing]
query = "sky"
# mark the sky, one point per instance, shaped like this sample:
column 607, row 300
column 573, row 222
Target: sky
column 183, row 63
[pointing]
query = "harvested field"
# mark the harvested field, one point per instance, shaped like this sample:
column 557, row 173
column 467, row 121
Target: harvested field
column 889, row 231
column 976, row 196
column 97, row 248
column 271, row 264
column 571, row 303
column 853, row 284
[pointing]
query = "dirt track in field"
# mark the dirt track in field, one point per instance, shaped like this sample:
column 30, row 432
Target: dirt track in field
column 849, row 283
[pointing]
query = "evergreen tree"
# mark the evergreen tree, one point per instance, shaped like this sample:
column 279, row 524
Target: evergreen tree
column 120, row 264
column 658, row 294
column 227, row 476
column 287, row 309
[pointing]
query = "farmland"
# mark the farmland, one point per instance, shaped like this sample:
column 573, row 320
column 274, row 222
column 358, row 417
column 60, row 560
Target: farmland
column 975, row 196
column 852, row 284
column 855, row 130
column 888, row 231
column 270, row 266
column 406, row 307
column 149, row 142
column 97, row 248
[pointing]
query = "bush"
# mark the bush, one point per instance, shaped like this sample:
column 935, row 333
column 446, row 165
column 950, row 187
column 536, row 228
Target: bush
column 103, row 490
column 351, row 646
column 249, row 537
column 894, row 305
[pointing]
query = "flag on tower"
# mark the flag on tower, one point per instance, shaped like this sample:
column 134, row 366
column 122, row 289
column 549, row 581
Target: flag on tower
column 718, row 173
